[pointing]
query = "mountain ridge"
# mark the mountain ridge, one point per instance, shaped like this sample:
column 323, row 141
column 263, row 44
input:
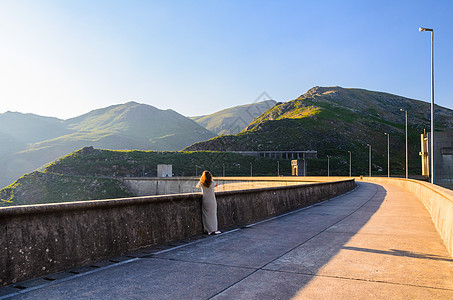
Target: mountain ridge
column 335, row 120
column 234, row 119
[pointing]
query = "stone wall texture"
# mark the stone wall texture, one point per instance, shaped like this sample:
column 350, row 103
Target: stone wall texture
column 40, row 239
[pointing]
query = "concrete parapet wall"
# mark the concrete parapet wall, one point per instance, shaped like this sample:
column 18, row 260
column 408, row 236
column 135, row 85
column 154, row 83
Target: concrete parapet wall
column 149, row 186
column 437, row 200
column 40, row 239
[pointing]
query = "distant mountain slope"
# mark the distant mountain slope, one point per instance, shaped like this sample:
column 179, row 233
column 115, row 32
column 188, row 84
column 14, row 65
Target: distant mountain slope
column 30, row 128
column 10, row 144
column 334, row 120
column 138, row 120
column 131, row 126
column 30, row 141
column 233, row 120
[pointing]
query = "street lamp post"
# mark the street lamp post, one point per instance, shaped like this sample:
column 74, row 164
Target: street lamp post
column 305, row 167
column 388, row 153
column 432, row 100
column 328, row 165
column 350, row 164
column 369, row 146
column 251, row 170
column 278, row 168
column 407, row 162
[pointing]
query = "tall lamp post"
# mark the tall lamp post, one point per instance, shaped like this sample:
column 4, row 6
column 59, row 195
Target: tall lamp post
column 432, row 100
column 407, row 162
column 369, row 146
column 305, row 167
column 328, row 165
column 388, row 153
column 350, row 164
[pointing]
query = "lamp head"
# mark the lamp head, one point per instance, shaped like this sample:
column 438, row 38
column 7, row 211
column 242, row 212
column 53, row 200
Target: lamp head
column 424, row 29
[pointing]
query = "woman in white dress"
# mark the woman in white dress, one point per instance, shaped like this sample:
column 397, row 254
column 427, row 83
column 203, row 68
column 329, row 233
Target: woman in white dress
column 209, row 203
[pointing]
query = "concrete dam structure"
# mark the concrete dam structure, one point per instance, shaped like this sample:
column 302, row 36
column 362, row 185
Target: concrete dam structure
column 376, row 238
column 150, row 186
column 47, row 238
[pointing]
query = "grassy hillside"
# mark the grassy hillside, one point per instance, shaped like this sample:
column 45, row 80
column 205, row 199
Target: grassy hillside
column 94, row 174
column 130, row 126
column 335, row 120
column 233, row 120
column 143, row 122
column 39, row 187
column 96, row 162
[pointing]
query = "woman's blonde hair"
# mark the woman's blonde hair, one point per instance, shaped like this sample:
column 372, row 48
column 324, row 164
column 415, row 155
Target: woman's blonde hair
column 206, row 179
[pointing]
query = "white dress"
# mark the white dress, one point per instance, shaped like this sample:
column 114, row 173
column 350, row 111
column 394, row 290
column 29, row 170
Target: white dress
column 209, row 207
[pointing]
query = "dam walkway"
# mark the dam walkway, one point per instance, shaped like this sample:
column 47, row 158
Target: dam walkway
column 375, row 242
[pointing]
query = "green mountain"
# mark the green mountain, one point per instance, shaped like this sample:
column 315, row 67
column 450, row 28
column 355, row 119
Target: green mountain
column 335, row 120
column 233, row 120
column 129, row 126
column 30, row 141
column 91, row 173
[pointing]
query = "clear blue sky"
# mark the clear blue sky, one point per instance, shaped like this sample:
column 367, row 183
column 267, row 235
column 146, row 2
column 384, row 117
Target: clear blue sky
column 64, row 58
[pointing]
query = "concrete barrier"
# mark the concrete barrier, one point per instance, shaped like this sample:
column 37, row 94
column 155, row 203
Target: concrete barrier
column 148, row 186
column 437, row 200
column 40, row 239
